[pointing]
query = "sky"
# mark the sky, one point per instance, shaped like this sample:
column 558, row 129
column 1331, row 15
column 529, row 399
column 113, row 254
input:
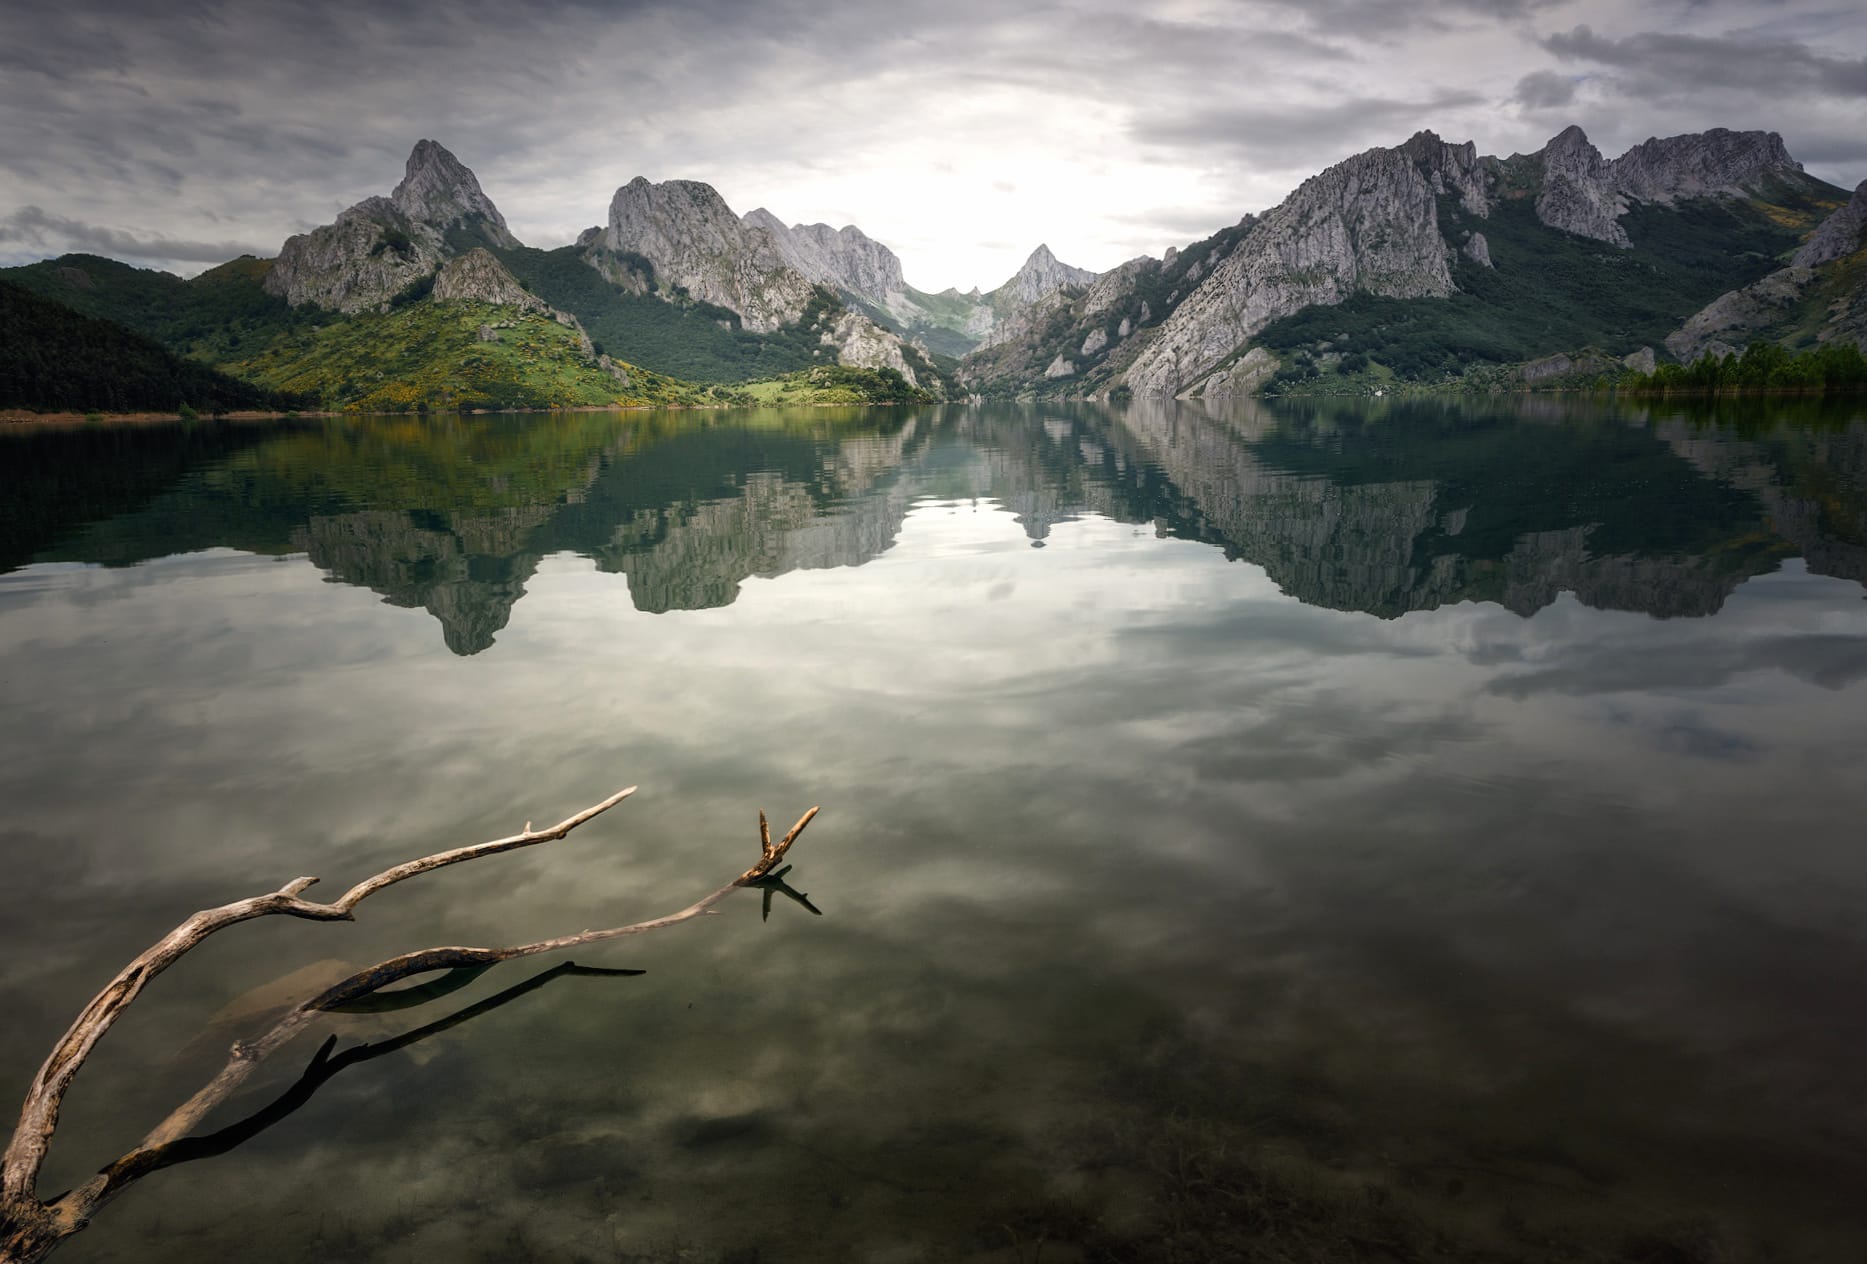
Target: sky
column 962, row 133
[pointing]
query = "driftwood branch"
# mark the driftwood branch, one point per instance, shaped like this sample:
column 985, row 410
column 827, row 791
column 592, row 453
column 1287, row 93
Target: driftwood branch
column 29, row 1228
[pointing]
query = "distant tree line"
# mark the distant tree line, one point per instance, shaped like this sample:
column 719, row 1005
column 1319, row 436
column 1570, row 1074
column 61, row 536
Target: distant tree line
column 1834, row 368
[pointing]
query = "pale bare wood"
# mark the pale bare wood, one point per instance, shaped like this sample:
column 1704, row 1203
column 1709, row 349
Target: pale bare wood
column 30, row 1229
column 25, row 1152
column 771, row 854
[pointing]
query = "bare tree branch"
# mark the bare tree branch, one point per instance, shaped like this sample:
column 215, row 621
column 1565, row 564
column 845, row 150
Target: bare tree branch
column 30, row 1229
column 25, row 1152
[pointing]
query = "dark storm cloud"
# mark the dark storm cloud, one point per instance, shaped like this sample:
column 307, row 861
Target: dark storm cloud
column 1544, row 89
column 31, row 226
column 1321, row 134
column 1654, row 65
column 1383, row 16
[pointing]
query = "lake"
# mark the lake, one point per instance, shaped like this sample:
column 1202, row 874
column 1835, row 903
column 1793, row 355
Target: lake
column 1309, row 831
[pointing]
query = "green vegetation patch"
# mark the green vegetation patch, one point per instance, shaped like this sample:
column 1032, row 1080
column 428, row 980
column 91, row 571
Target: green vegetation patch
column 837, row 384
column 1835, row 368
column 222, row 315
column 1549, row 291
column 61, row 360
column 664, row 329
column 430, row 356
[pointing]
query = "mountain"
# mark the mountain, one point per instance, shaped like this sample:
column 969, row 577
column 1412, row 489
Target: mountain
column 381, row 246
column 695, row 243
column 680, row 238
column 868, row 275
column 1426, row 263
column 845, row 258
column 1819, row 297
column 60, row 360
column 1422, row 265
column 675, row 284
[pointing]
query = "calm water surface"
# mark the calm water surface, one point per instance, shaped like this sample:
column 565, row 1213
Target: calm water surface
column 1337, row 832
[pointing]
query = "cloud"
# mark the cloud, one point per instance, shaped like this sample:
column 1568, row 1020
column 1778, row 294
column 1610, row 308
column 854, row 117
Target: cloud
column 32, row 226
column 906, row 119
column 1826, row 660
column 1544, row 90
column 1657, row 64
column 1323, row 133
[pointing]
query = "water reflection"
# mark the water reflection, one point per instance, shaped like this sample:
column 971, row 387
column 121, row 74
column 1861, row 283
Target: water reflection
column 1375, row 508
column 1173, row 914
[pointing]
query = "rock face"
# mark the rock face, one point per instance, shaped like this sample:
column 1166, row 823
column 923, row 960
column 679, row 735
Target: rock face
column 1725, row 324
column 1005, row 312
column 1807, row 290
column 1369, row 225
column 380, row 246
column 754, row 266
column 1703, row 164
column 1242, row 378
column 685, row 229
column 1839, row 235
column 1451, row 169
column 863, row 344
column 438, row 190
column 1578, row 194
column 845, row 258
column 478, row 277
column 1043, row 273
column 1584, row 194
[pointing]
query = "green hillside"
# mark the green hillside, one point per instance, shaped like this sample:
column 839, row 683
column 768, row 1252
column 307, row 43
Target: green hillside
column 56, row 359
column 942, row 330
column 427, row 356
column 668, row 333
column 223, row 314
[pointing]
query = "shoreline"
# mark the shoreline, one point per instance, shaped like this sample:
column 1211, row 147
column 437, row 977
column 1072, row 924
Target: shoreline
column 27, row 418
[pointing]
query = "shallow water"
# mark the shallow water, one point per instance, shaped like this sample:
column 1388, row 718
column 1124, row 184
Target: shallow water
column 1323, row 832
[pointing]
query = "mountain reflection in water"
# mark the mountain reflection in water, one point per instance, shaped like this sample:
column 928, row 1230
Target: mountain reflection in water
column 1380, row 508
column 1466, row 870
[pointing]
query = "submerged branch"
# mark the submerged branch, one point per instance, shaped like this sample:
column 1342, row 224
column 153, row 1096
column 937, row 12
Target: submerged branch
column 29, row 1229
column 38, row 1117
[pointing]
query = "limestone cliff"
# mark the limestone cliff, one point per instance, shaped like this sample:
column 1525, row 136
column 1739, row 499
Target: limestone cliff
column 845, row 259
column 1714, row 163
column 1579, row 194
column 480, row 278
column 1369, row 224
column 693, row 240
column 381, row 246
column 1841, row 234
column 1585, row 194
column 861, row 343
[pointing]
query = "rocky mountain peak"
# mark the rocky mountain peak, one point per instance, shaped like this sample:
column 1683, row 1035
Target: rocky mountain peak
column 695, row 241
column 1579, row 194
column 1450, row 169
column 438, row 189
column 1838, row 236
column 382, row 245
column 845, row 258
column 1043, row 273
column 1369, row 224
column 1701, row 164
